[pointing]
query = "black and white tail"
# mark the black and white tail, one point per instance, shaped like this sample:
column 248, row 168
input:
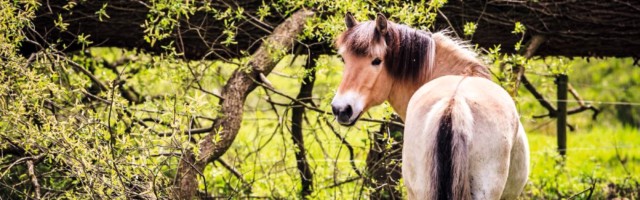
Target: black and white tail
column 450, row 172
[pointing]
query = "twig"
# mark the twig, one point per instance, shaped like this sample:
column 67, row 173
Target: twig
column 85, row 72
column 233, row 171
column 112, row 135
column 313, row 108
column 206, row 91
column 448, row 22
column 579, row 193
column 532, row 47
column 349, row 180
column 581, row 102
column 34, row 178
column 20, row 161
column 552, row 111
column 538, row 96
column 349, row 147
column 590, row 189
column 189, row 131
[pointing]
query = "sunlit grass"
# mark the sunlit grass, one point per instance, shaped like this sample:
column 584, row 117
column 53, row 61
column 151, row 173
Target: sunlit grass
column 595, row 158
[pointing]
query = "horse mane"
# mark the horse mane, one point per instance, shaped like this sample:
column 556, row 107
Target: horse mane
column 459, row 53
column 362, row 40
column 409, row 54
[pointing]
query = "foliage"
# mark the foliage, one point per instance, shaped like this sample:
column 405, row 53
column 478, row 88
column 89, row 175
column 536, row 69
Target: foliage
column 113, row 123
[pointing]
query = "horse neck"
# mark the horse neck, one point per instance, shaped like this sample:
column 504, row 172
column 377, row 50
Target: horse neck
column 450, row 59
column 400, row 95
column 453, row 59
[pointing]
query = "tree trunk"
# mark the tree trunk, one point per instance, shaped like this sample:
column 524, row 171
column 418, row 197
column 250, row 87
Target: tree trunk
column 234, row 94
column 573, row 28
column 197, row 36
column 305, row 94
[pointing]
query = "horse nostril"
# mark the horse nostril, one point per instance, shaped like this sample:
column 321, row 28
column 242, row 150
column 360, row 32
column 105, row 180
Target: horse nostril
column 343, row 114
column 347, row 111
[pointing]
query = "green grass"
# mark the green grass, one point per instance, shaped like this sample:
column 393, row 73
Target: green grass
column 596, row 158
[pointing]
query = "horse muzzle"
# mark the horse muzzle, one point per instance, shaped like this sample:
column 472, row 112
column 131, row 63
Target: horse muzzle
column 347, row 107
column 345, row 115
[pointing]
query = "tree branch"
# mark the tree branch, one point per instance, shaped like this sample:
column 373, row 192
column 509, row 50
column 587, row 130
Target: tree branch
column 306, row 90
column 531, row 49
column 384, row 160
column 234, row 94
column 34, row 178
column 546, row 104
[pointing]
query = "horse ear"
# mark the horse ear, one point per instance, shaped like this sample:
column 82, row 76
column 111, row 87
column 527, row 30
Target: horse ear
column 350, row 20
column 381, row 24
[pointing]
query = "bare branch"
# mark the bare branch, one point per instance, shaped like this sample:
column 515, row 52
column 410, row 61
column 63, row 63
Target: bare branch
column 80, row 68
column 34, row 178
column 234, row 93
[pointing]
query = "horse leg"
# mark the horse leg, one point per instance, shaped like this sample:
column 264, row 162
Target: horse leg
column 519, row 167
column 489, row 164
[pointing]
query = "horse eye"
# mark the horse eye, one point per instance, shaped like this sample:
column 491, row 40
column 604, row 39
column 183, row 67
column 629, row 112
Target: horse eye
column 376, row 61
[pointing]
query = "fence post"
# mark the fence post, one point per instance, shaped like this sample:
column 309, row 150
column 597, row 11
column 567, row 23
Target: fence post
column 562, row 80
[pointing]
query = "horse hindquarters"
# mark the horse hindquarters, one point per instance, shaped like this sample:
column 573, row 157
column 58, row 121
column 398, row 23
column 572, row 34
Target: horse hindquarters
column 435, row 160
column 487, row 142
column 489, row 130
column 519, row 167
column 489, row 158
column 495, row 126
column 421, row 126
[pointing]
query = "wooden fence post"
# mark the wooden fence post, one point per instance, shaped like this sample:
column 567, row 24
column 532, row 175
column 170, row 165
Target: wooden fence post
column 562, row 80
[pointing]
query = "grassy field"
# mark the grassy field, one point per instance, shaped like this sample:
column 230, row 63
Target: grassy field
column 605, row 159
column 603, row 153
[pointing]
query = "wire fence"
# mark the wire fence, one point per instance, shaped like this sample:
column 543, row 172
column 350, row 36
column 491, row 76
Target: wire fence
column 600, row 148
column 593, row 102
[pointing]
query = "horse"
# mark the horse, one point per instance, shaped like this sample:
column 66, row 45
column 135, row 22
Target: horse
column 463, row 138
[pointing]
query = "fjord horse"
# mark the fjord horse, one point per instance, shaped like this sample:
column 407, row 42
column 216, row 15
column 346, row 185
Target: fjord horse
column 463, row 138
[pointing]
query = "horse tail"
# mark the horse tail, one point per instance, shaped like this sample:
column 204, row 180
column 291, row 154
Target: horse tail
column 450, row 173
